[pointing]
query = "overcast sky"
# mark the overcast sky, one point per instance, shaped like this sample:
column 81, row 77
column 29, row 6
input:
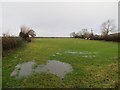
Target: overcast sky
column 57, row 18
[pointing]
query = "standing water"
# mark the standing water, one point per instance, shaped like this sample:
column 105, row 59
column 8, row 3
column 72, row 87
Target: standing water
column 55, row 67
column 58, row 68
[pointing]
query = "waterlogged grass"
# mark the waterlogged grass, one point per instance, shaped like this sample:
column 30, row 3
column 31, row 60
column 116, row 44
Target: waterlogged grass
column 100, row 71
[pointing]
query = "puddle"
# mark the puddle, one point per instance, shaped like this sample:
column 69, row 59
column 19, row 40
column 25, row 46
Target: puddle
column 57, row 54
column 23, row 69
column 89, row 56
column 26, row 69
column 53, row 55
column 55, row 67
column 84, row 54
column 58, row 68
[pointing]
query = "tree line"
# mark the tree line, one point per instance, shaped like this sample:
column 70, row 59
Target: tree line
column 107, row 27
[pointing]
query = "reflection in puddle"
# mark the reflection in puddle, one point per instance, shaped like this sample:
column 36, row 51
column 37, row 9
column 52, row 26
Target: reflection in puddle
column 26, row 69
column 89, row 56
column 84, row 54
column 23, row 69
column 58, row 68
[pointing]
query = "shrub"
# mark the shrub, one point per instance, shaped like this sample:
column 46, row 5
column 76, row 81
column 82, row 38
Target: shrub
column 9, row 43
column 112, row 37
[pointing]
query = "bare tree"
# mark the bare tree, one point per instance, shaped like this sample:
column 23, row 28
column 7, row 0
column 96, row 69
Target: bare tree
column 85, row 33
column 26, row 33
column 107, row 27
column 91, row 34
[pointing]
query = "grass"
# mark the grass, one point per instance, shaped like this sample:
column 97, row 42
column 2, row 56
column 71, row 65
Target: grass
column 98, row 72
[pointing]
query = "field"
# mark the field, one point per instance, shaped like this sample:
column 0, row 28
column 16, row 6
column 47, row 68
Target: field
column 98, row 68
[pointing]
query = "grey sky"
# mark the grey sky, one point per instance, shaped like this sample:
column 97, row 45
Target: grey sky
column 57, row 18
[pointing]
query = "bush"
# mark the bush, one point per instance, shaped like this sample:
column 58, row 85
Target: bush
column 98, row 37
column 9, row 43
column 111, row 37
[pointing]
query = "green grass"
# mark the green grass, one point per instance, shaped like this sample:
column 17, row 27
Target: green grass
column 98, row 72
